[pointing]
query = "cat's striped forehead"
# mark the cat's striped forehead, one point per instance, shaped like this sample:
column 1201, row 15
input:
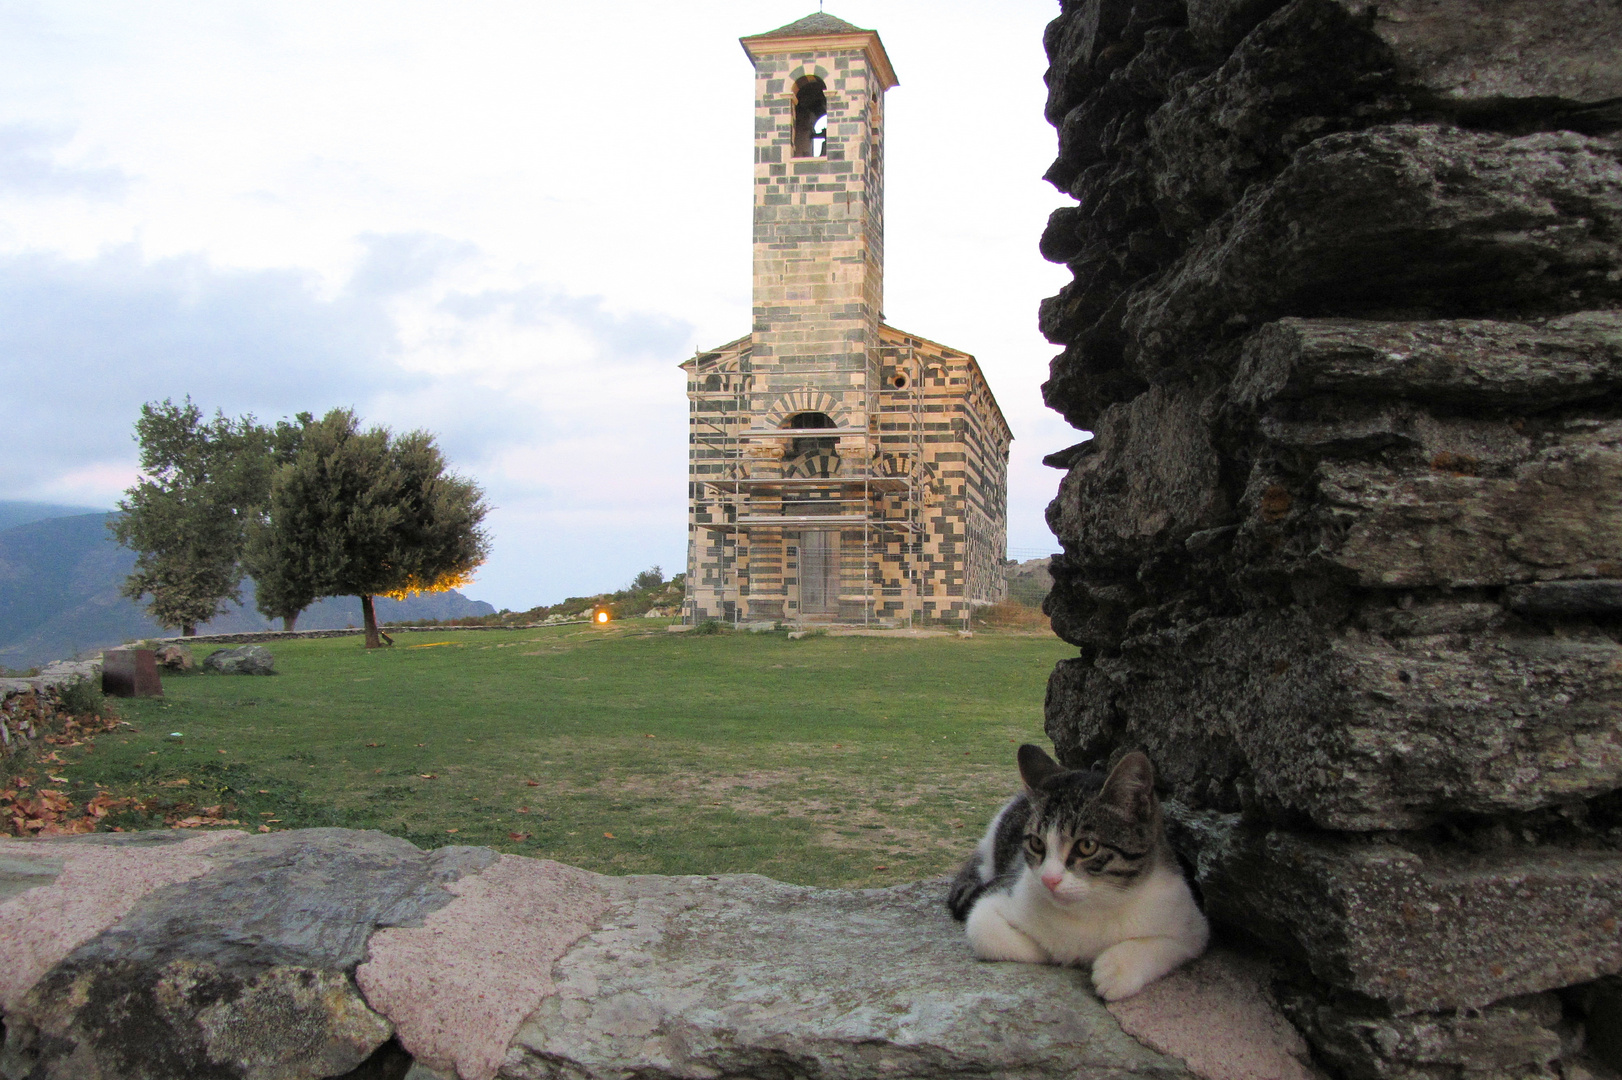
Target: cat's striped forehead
column 1071, row 803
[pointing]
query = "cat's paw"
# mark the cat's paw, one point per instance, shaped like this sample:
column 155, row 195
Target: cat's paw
column 1119, row 972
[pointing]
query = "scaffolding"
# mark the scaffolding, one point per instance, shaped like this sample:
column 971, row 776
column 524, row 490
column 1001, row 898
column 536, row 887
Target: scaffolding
column 874, row 481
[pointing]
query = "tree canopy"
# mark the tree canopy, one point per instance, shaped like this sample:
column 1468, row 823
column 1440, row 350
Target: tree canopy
column 187, row 517
column 363, row 513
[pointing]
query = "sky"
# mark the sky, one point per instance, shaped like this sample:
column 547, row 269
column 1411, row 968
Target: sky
column 506, row 223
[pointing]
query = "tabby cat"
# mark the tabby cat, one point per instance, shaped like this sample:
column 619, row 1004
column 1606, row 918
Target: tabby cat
column 1076, row 869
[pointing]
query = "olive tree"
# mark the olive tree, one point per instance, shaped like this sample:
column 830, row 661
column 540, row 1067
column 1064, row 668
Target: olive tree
column 368, row 513
column 188, row 515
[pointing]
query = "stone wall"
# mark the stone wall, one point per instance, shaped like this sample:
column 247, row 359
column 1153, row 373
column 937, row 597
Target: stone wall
column 1345, row 552
column 327, row 953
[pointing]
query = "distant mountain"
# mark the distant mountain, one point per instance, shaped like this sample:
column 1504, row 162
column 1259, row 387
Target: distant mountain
column 59, row 580
column 13, row 514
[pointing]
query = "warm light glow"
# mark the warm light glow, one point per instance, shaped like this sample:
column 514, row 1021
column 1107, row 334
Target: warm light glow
column 456, row 579
column 602, row 616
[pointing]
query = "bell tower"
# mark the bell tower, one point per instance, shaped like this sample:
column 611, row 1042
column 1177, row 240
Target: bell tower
column 819, row 212
column 839, row 470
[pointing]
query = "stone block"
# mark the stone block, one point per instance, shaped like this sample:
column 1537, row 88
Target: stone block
column 675, row 982
column 246, row 660
column 1490, row 52
column 1350, row 728
column 1462, row 362
column 130, row 673
column 1150, row 477
column 1409, row 218
column 1416, row 926
column 247, row 968
column 1558, row 515
column 1517, row 1037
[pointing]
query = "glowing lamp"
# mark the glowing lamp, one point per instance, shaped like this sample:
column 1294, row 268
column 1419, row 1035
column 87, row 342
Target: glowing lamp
column 602, row 617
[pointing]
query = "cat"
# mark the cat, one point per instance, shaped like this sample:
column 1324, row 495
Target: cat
column 1077, row 869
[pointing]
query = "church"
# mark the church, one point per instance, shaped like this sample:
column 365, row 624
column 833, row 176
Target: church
column 839, row 470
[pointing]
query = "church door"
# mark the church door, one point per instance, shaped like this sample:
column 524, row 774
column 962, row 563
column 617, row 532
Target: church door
column 819, row 572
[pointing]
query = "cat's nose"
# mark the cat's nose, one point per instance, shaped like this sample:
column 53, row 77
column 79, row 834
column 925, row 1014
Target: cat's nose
column 1051, row 879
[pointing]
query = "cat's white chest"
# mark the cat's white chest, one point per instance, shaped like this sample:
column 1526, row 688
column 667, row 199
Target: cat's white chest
column 1069, row 935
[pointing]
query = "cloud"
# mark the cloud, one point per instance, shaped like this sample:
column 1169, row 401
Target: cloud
column 399, row 262
column 570, row 414
column 84, row 343
column 620, row 338
column 28, row 167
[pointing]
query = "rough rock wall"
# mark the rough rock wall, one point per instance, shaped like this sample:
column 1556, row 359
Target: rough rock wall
column 1345, row 552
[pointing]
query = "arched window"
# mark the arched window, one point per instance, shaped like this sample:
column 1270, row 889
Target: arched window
column 811, row 456
column 810, row 117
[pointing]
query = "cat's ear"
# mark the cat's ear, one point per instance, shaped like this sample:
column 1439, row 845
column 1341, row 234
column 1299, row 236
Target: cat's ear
column 1035, row 766
column 1131, row 785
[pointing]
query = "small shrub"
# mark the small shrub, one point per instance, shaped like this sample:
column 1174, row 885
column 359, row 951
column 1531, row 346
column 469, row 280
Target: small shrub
column 82, row 697
column 708, row 626
column 1011, row 615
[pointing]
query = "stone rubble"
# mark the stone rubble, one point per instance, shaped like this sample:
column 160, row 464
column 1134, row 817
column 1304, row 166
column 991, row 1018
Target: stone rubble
column 244, row 660
column 1344, row 553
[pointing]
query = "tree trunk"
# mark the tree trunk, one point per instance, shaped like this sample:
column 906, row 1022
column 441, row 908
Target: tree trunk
column 372, row 641
column 290, row 621
column 188, row 629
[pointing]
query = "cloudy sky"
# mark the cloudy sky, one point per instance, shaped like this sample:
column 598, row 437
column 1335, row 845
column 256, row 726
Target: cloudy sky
column 503, row 222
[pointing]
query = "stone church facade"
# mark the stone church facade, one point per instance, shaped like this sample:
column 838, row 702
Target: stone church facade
column 840, row 470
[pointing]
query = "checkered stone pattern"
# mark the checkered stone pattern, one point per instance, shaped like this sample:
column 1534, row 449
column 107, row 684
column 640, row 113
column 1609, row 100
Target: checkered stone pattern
column 914, row 475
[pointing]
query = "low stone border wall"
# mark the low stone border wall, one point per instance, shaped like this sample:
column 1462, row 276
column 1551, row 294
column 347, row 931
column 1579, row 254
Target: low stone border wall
column 312, row 953
column 53, row 675
column 348, row 631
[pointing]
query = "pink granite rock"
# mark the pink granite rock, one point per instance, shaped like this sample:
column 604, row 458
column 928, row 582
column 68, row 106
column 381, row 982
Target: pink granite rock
column 458, row 987
column 98, row 885
column 1218, row 1015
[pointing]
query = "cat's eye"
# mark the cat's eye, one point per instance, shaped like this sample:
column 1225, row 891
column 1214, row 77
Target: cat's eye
column 1034, row 842
column 1086, row 849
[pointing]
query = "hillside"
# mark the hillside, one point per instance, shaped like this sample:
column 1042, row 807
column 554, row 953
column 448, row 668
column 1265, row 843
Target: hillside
column 13, row 513
column 59, row 580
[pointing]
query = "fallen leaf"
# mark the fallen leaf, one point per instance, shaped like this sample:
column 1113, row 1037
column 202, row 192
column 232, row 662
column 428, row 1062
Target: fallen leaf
column 523, row 809
column 376, row 744
column 881, row 868
column 453, row 830
column 267, row 813
column 518, row 835
column 264, row 828
column 609, row 835
column 532, row 783
column 264, row 791
column 56, row 779
column 219, row 751
column 650, row 736
column 429, row 775
column 422, row 744
column 182, row 782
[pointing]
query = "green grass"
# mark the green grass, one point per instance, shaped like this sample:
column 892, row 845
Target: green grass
column 816, row 761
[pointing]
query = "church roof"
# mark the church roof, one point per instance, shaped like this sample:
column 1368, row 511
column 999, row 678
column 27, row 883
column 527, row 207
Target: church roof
column 821, row 25
column 813, row 25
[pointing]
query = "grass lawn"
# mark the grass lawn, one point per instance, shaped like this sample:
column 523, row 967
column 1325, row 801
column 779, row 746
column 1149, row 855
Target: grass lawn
column 626, row 749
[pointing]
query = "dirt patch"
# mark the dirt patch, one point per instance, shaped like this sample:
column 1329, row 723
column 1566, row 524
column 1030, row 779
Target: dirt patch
column 888, row 809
